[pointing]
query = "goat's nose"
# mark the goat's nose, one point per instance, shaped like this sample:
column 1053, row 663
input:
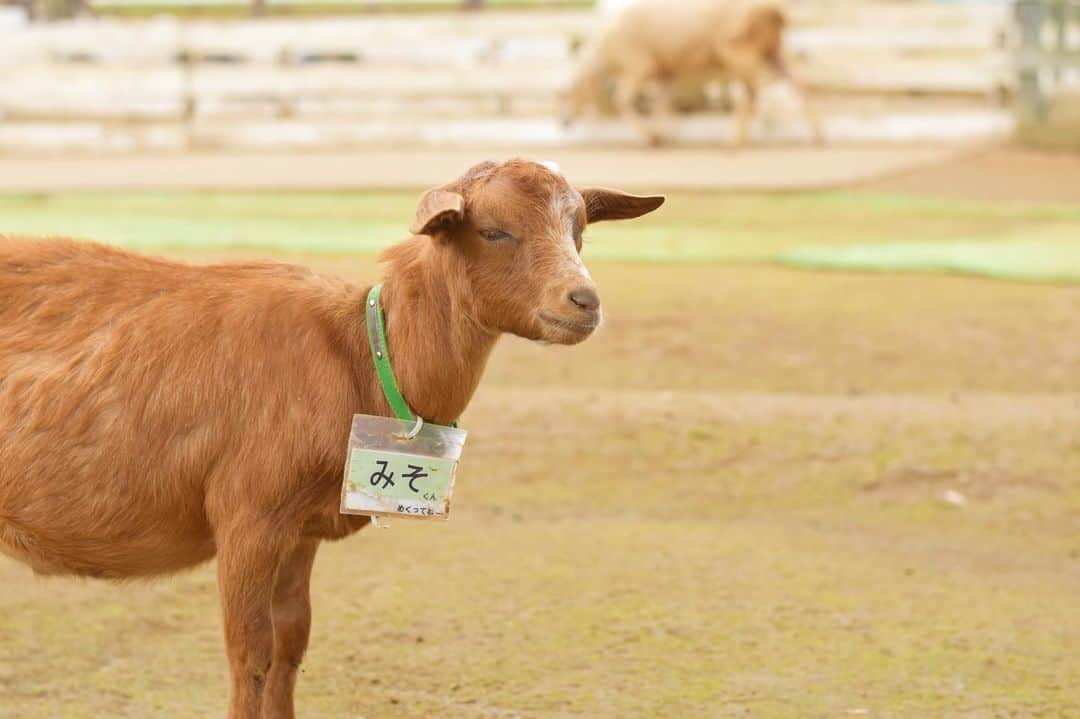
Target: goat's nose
column 586, row 298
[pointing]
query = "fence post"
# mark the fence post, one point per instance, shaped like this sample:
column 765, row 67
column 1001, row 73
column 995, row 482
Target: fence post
column 1058, row 17
column 1031, row 15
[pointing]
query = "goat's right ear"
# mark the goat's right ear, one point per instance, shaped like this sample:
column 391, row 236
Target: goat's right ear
column 438, row 211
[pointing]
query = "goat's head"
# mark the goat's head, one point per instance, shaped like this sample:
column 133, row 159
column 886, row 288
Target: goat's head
column 573, row 100
column 509, row 237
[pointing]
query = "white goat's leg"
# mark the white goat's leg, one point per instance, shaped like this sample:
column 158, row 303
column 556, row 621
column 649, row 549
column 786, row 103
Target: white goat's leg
column 810, row 111
column 627, row 91
column 664, row 105
column 578, row 100
column 808, row 108
column 745, row 111
column 664, row 99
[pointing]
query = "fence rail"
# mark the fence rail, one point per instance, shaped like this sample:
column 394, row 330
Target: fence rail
column 513, row 62
column 162, row 78
column 58, row 9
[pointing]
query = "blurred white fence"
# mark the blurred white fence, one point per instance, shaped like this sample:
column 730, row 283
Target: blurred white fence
column 404, row 78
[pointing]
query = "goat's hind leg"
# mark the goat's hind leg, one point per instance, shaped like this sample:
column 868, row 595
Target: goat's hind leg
column 817, row 130
column 291, row 612
column 809, row 109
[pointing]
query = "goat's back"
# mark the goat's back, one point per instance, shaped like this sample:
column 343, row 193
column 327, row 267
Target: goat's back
column 681, row 36
column 141, row 400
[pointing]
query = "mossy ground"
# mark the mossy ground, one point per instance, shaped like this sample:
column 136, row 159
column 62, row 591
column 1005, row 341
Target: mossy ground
column 731, row 502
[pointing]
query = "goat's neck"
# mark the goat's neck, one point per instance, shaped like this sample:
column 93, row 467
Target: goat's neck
column 438, row 351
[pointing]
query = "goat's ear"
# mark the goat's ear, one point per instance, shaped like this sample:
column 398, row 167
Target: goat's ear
column 438, row 210
column 603, row 204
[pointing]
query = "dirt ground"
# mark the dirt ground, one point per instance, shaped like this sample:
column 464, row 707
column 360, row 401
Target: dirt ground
column 758, row 492
column 973, row 173
column 733, row 502
column 759, row 168
column 997, row 174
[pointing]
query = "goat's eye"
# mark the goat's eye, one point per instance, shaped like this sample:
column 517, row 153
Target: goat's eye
column 496, row 235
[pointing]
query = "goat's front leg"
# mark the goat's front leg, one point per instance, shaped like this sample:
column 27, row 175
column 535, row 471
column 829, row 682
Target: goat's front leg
column 664, row 102
column 291, row 612
column 248, row 559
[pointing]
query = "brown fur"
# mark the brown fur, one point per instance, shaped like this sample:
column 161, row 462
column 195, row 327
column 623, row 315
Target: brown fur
column 155, row 414
column 652, row 43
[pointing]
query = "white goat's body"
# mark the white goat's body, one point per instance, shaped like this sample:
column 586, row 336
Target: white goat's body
column 653, row 43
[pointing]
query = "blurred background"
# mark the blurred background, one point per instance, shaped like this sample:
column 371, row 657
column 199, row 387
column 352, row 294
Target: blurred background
column 822, row 460
column 161, row 75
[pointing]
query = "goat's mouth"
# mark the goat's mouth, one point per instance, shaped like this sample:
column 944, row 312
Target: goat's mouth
column 572, row 331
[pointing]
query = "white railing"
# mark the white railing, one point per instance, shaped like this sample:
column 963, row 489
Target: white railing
column 399, row 70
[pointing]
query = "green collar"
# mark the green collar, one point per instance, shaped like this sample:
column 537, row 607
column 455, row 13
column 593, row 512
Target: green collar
column 380, row 353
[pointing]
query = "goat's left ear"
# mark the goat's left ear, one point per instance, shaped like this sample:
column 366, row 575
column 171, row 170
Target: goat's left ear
column 438, row 210
column 603, row 204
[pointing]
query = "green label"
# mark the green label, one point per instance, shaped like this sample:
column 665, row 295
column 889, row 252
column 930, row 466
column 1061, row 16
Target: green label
column 397, row 476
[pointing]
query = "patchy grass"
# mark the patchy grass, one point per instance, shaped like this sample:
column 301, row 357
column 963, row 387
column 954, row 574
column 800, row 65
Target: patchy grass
column 731, row 502
column 691, row 228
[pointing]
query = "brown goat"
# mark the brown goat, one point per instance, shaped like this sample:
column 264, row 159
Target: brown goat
column 155, row 414
column 652, row 43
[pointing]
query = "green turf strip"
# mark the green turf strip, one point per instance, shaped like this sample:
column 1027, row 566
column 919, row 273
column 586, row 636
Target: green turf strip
column 1035, row 259
column 842, row 230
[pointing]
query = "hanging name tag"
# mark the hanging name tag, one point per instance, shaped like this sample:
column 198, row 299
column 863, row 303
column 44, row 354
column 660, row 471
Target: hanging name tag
column 388, row 474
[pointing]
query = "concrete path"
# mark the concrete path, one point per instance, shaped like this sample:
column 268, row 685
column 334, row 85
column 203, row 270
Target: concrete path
column 693, row 169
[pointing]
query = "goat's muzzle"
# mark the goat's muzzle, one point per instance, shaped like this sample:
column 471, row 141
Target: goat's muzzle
column 576, row 319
